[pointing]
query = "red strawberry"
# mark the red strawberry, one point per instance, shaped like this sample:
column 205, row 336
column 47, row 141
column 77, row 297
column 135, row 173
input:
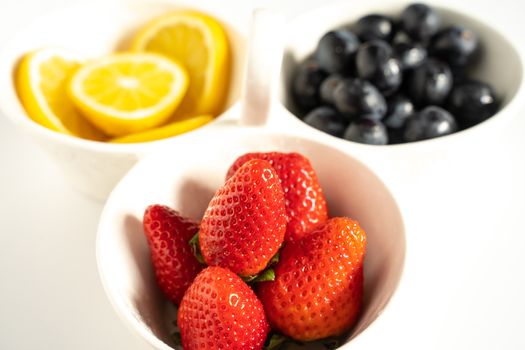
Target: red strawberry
column 220, row 311
column 168, row 235
column 318, row 283
column 305, row 201
column 244, row 224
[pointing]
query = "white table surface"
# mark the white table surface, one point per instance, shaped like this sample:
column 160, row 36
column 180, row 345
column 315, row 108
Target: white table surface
column 465, row 240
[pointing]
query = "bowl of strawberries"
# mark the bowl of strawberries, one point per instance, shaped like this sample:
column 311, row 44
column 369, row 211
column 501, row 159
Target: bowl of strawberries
column 262, row 241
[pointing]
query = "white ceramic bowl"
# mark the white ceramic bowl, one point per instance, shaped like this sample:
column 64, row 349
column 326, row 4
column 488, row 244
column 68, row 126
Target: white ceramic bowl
column 501, row 65
column 91, row 30
column 187, row 182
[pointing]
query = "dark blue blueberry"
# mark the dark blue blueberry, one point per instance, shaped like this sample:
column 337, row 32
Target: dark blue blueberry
column 327, row 88
column 305, row 86
column 327, row 120
column 374, row 27
column 357, row 98
column 430, row 83
column 336, row 51
column 410, row 55
column 472, row 102
column 395, row 136
column 401, row 38
column 375, row 62
column 429, row 123
column 372, row 116
column 367, row 131
column 400, row 108
column 459, row 74
column 455, row 45
column 420, row 21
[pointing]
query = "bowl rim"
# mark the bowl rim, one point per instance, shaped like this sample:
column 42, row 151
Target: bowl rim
column 12, row 108
column 107, row 216
column 514, row 103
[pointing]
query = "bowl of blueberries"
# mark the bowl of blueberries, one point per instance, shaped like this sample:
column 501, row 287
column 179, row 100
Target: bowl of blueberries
column 392, row 73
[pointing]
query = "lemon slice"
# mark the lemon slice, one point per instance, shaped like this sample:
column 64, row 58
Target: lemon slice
column 41, row 80
column 200, row 44
column 128, row 92
column 168, row 130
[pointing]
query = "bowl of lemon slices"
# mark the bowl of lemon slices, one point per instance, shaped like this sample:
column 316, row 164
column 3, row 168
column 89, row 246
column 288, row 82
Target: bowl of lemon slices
column 100, row 85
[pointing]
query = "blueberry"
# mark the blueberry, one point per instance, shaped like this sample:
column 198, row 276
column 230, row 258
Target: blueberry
column 357, row 98
column 375, row 62
column 472, row 102
column 430, row 83
column 327, row 88
column 459, row 74
column 431, row 122
column 401, row 37
column 409, row 55
column 400, row 108
column 336, row 51
column 420, row 21
column 305, row 87
column 455, row 45
column 395, row 136
column 327, row 120
column 375, row 26
column 367, row 131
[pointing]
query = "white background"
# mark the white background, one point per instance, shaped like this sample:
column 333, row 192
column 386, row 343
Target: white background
column 465, row 235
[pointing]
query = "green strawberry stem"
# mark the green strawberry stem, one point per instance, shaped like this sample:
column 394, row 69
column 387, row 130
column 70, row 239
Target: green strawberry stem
column 274, row 260
column 196, row 248
column 265, row 275
column 268, row 274
column 275, row 341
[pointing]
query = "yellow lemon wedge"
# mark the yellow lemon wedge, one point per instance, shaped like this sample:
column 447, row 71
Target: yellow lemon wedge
column 41, row 82
column 128, row 92
column 168, row 130
column 200, row 44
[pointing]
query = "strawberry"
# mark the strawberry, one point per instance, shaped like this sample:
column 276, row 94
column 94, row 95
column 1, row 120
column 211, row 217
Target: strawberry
column 168, row 234
column 318, row 283
column 305, row 201
column 220, row 311
column 244, row 224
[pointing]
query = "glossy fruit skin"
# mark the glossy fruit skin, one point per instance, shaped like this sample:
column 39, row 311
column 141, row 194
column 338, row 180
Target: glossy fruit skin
column 429, row 123
column 305, row 85
column 375, row 26
column 327, row 88
column 305, row 201
column 409, row 55
column 400, row 108
column 326, row 119
column 472, row 102
column 420, row 21
column 430, row 83
column 220, row 311
column 456, row 45
column 245, row 222
column 317, row 292
column 168, row 235
column 376, row 63
column 370, row 132
column 357, row 98
column 336, row 50
column 400, row 37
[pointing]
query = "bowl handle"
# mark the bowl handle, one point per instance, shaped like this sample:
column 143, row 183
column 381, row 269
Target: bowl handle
column 265, row 52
